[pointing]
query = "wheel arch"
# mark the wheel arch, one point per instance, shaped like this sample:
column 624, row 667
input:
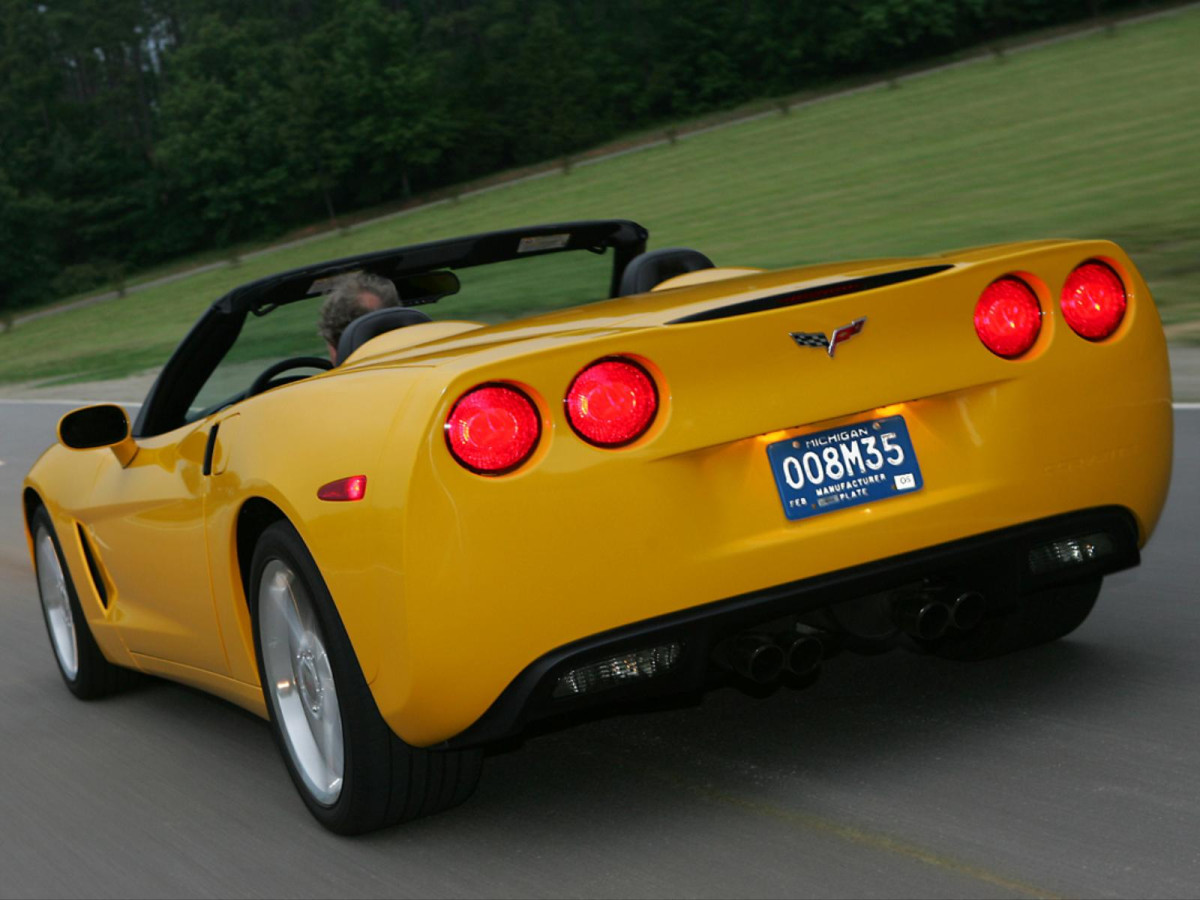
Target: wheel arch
column 256, row 515
column 31, row 502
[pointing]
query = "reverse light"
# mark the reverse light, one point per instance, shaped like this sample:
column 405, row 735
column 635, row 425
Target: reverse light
column 344, row 489
column 636, row 665
column 1093, row 300
column 1008, row 317
column 493, row 428
column 1070, row 552
column 612, row 402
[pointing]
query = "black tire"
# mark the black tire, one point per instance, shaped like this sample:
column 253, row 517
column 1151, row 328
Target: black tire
column 1037, row 619
column 384, row 780
column 94, row 676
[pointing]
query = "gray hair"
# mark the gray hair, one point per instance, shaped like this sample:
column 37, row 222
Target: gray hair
column 344, row 302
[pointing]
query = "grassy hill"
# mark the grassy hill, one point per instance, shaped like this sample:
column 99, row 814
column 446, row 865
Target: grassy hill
column 1094, row 137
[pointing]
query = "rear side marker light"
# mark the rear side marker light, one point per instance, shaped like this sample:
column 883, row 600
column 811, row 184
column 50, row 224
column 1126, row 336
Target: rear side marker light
column 493, row 429
column 624, row 668
column 1070, row 552
column 344, row 489
column 612, row 402
column 1093, row 300
column 1008, row 317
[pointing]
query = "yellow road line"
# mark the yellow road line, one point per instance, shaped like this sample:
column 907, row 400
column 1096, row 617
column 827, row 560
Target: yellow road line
column 855, row 835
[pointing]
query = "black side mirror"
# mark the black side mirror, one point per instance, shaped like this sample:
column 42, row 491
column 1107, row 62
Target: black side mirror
column 104, row 425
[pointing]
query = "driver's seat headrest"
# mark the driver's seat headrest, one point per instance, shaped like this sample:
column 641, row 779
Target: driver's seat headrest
column 374, row 324
column 655, row 267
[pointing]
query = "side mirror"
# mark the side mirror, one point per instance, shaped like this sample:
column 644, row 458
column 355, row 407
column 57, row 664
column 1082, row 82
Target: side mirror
column 104, row 425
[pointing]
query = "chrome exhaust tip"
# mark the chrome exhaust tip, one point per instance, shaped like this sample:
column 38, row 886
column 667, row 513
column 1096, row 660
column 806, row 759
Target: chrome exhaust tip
column 753, row 656
column 802, row 655
column 925, row 619
column 967, row 610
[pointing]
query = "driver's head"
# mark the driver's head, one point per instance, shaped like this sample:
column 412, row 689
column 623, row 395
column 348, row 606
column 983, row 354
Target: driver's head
column 352, row 296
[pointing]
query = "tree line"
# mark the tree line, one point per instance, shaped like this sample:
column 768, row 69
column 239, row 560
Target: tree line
column 136, row 131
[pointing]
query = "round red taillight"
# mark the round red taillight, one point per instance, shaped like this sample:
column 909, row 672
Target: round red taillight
column 493, row 428
column 1008, row 317
column 1093, row 301
column 612, row 402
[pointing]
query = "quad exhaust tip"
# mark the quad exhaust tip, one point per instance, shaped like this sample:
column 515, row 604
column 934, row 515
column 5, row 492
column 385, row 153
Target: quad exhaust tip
column 802, row 655
column 925, row 619
column 763, row 658
column 757, row 657
column 967, row 610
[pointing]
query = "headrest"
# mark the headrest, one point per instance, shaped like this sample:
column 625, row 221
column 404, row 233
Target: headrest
column 374, row 324
column 655, row 267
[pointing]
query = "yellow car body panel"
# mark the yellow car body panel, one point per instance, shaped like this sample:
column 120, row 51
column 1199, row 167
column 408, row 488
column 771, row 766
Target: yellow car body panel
column 450, row 584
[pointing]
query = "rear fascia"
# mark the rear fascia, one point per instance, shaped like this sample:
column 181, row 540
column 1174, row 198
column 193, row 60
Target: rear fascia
column 992, row 562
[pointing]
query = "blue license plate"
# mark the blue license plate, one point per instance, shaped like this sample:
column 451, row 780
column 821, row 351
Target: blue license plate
column 829, row 470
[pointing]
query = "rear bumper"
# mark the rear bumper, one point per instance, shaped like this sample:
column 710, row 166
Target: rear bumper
column 996, row 563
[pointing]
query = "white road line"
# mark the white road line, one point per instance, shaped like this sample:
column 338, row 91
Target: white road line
column 1191, row 406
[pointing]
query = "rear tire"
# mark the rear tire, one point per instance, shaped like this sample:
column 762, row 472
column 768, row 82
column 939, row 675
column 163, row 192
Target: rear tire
column 88, row 675
column 353, row 773
column 1037, row 619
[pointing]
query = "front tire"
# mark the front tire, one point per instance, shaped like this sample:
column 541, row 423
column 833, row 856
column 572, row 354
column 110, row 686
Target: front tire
column 88, row 675
column 353, row 773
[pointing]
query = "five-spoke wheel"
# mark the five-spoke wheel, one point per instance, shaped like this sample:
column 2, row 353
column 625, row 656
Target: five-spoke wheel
column 56, row 602
column 300, row 682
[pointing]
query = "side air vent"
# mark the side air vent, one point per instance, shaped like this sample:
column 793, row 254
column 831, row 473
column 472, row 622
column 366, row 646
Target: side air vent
column 808, row 295
column 93, row 567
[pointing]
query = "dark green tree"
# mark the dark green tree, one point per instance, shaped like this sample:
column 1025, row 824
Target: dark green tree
column 222, row 121
column 132, row 131
column 367, row 119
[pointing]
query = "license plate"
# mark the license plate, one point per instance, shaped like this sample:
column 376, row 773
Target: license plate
column 829, row 470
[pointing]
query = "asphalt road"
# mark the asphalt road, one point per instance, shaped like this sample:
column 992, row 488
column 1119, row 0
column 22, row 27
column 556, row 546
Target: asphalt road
column 1068, row 770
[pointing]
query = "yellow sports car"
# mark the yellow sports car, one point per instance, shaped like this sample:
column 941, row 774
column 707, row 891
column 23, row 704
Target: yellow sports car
column 462, row 528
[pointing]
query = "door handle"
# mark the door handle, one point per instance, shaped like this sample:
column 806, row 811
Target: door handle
column 209, row 449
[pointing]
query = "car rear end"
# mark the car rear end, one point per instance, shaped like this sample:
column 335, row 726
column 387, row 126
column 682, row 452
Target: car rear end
column 817, row 435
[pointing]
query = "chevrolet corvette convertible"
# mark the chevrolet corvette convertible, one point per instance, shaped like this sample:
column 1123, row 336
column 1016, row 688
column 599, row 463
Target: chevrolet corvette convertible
column 714, row 473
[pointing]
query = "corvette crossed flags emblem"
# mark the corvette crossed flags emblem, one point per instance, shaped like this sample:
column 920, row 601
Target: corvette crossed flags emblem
column 818, row 338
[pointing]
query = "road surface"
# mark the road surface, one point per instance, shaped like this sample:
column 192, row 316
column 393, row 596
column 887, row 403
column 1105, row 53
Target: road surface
column 1068, row 770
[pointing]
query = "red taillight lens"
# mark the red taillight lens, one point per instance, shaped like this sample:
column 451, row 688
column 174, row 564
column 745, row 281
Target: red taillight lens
column 612, row 402
column 493, row 428
column 1008, row 317
column 1093, row 301
column 344, row 489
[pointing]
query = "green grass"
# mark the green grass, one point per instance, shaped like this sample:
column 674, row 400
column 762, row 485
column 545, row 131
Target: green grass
column 1094, row 137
